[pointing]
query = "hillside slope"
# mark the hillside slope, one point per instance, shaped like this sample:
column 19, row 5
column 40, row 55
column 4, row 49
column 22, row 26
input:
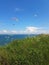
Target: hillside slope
column 29, row 51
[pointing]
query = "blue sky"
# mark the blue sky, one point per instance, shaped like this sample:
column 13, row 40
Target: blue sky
column 23, row 16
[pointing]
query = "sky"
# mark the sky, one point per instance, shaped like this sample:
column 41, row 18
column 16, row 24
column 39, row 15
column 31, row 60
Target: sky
column 24, row 16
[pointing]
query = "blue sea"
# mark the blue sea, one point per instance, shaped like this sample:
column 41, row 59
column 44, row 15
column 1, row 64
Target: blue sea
column 5, row 39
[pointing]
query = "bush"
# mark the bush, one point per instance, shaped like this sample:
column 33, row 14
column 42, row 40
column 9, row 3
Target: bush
column 29, row 51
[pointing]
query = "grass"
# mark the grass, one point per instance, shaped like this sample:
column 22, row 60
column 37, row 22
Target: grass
column 29, row 51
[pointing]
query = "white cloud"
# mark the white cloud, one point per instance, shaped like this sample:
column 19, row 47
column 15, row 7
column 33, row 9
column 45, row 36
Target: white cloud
column 31, row 29
column 35, row 15
column 5, row 31
column 18, row 9
column 28, row 30
column 14, row 31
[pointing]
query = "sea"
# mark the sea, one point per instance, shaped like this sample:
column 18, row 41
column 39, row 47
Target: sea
column 5, row 38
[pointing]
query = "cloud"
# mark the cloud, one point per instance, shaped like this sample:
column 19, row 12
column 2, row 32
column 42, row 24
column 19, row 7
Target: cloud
column 35, row 15
column 15, row 19
column 5, row 31
column 18, row 9
column 8, row 32
column 30, row 30
column 27, row 30
column 14, row 31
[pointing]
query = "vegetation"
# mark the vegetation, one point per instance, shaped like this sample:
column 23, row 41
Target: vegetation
column 29, row 51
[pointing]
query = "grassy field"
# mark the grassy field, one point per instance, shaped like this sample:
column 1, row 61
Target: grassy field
column 29, row 51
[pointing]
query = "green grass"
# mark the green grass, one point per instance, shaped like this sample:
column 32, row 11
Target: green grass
column 29, row 51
